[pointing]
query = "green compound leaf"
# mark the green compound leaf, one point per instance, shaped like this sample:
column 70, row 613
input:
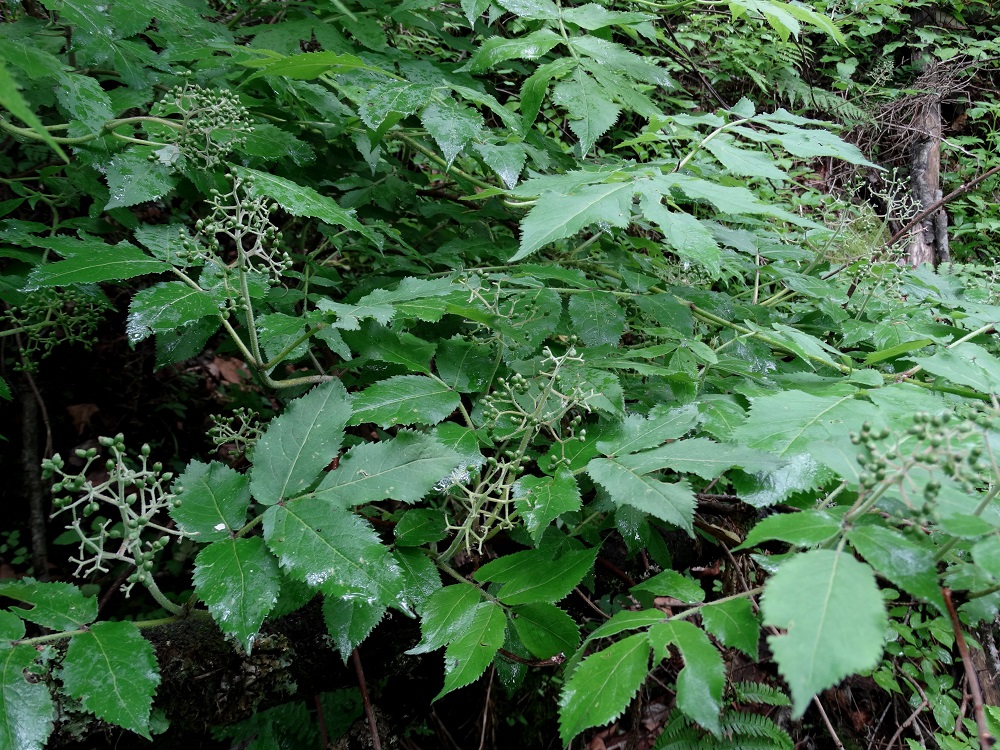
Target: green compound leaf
column 300, row 443
column 213, row 500
column 95, row 261
column 239, row 580
column 404, row 468
column 533, row 576
column 332, row 550
column 540, row 500
column 700, row 683
column 349, row 621
column 673, row 503
column 26, row 708
column 112, row 670
column 405, row 399
column 909, row 565
column 165, row 308
column 135, row 178
column 558, row 215
column 392, row 101
column 54, row 605
column 734, row 623
column 688, row 237
column 447, row 613
column 298, row 200
column 603, row 685
column 966, row 364
column 597, row 318
column 545, row 630
column 467, row 657
column 308, row 65
column 452, row 126
column 834, row 616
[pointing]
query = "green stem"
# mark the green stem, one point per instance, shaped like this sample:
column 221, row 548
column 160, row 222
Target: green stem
column 683, row 162
column 418, row 146
column 141, row 624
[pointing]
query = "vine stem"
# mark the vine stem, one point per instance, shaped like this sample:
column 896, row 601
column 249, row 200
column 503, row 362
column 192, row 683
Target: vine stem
column 141, row 624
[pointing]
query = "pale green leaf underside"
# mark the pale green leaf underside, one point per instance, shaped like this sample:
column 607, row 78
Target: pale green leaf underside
column 834, row 617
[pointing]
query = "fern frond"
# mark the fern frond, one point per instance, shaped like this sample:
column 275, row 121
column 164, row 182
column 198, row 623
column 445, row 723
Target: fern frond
column 759, row 692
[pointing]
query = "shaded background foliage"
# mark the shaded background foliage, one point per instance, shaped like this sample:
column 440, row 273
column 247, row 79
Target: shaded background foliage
column 415, row 150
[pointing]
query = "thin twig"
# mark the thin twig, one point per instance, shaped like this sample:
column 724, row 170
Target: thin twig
column 902, row 727
column 356, row 658
column 829, row 725
column 486, row 709
column 986, row 740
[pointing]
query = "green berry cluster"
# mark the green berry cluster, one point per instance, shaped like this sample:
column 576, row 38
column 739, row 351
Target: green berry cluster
column 936, row 449
column 53, row 316
column 214, row 122
column 240, row 221
column 119, row 519
column 242, row 430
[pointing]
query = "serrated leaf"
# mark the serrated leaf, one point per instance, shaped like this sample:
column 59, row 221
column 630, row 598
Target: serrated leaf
column 381, row 101
column 534, row 88
column 703, row 677
column 535, row 10
column 239, row 581
column 332, row 550
column 404, row 468
column 966, row 364
column 700, row 456
column 533, row 576
column 405, row 399
column 834, row 618
column 300, row 443
column 597, row 318
column 298, row 200
column 95, row 261
column 589, row 106
column 673, row 584
column 806, row 528
column 545, row 629
column 559, row 215
column 166, row 307
column 112, row 670
column 82, row 99
column 473, row 9
column 687, row 237
column 452, row 126
column 465, row 366
column 904, row 562
column 734, row 624
column 54, row 605
column 506, row 159
column 673, row 503
column 620, row 59
column 11, row 626
column 26, row 708
column 135, row 178
column 603, row 685
column 592, row 16
column 540, row 500
column 447, row 613
column 498, row 49
column 420, row 578
column 637, row 433
column 308, row 65
column 743, row 162
column 468, row 656
column 420, row 526
column 349, row 622
column 423, row 299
